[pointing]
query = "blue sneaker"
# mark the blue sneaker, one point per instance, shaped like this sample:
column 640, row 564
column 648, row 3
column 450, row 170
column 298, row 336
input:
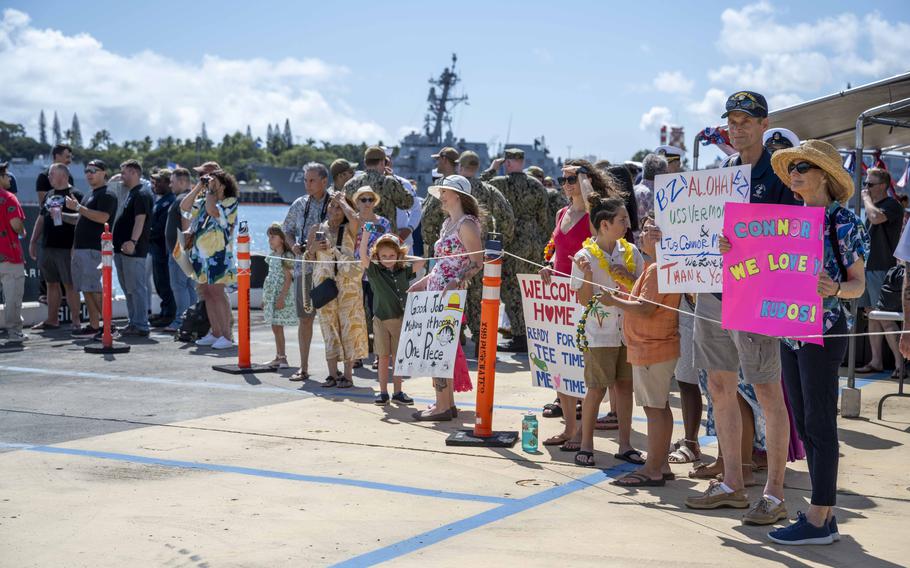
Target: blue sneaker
column 802, row 532
column 832, row 526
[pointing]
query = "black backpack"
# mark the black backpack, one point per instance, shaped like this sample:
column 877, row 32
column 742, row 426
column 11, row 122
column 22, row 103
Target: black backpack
column 195, row 323
column 890, row 298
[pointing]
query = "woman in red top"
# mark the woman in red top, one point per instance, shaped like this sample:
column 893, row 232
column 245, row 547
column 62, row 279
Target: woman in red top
column 573, row 227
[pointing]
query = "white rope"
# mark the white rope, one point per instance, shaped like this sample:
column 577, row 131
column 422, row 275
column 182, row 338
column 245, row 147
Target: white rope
column 494, row 253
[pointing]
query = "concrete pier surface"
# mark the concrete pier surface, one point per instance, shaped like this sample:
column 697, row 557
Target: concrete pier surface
column 151, row 458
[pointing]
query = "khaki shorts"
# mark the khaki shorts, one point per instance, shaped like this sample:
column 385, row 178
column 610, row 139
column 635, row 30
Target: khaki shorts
column 604, row 366
column 651, row 383
column 385, row 336
column 718, row 349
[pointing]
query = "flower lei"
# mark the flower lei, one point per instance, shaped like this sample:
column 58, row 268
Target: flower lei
column 549, row 250
column 590, row 245
column 628, row 259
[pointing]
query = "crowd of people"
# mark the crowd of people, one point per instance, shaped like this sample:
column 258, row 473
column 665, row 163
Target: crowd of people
column 343, row 252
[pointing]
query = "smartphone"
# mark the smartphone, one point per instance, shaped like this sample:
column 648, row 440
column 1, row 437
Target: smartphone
column 369, row 226
column 320, row 235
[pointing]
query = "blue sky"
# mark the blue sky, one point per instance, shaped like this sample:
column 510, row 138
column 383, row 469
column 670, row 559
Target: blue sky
column 599, row 76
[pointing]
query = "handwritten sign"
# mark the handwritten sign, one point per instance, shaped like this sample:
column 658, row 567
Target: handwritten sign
column 771, row 271
column 689, row 209
column 429, row 334
column 551, row 314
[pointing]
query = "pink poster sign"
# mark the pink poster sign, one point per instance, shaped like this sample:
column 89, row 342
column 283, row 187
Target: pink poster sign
column 771, row 272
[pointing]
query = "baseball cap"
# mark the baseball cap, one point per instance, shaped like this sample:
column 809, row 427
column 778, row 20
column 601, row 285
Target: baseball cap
column 340, row 166
column 449, row 153
column 468, row 158
column 162, row 173
column 536, row 171
column 96, row 163
column 749, row 102
column 374, row 153
column 207, row 168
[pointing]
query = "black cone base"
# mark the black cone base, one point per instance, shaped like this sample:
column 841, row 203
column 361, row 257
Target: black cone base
column 497, row 440
column 113, row 349
column 238, row 370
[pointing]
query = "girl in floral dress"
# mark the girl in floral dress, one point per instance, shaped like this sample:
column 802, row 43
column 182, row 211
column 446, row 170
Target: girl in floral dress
column 460, row 235
column 279, row 307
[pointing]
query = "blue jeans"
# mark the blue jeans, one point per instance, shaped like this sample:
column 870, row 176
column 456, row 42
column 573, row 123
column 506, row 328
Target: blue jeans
column 134, row 283
column 183, row 287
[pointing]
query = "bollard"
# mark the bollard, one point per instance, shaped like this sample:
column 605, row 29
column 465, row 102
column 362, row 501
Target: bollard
column 243, row 310
column 483, row 434
column 107, row 298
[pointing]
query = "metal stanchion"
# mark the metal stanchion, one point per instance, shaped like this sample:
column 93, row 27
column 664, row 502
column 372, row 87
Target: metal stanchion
column 483, row 434
column 107, row 298
column 243, row 310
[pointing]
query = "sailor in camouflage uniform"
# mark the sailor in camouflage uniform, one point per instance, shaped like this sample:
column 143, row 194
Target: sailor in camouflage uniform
column 530, row 205
column 392, row 195
column 500, row 219
column 433, row 215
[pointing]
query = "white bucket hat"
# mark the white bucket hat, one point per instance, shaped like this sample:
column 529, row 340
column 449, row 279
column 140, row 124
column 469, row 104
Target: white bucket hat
column 456, row 183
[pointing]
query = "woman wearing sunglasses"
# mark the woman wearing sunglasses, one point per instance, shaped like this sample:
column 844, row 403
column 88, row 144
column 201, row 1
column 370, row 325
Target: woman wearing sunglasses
column 817, row 177
column 579, row 179
column 372, row 226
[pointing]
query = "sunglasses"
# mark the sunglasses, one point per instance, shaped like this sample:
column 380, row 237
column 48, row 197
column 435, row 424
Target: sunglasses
column 743, row 101
column 565, row 180
column 802, row 167
column 367, row 200
column 91, row 171
column 870, row 183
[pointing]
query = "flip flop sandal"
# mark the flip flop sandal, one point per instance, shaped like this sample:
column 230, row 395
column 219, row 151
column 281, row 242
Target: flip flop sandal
column 682, row 455
column 570, row 446
column 868, row 369
column 556, row 441
column 670, row 476
column 627, row 457
column 699, row 472
column 608, row 422
column 552, row 410
column 641, row 479
column 44, row 325
column 299, row 376
column 584, row 459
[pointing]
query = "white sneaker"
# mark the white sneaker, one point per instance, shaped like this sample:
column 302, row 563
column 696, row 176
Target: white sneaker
column 207, row 341
column 222, row 343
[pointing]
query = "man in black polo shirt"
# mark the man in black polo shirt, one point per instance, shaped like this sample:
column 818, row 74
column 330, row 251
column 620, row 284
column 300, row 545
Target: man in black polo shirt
column 726, row 353
column 98, row 208
column 161, row 181
column 61, row 154
column 56, row 236
column 131, row 244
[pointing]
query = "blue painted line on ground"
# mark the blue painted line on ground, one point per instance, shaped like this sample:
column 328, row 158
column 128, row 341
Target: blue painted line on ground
column 462, row 526
column 404, row 489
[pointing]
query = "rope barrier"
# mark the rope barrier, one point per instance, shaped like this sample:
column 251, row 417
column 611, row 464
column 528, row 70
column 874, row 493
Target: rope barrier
column 602, row 287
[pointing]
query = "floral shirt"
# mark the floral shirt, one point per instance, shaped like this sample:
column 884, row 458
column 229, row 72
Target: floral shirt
column 450, row 267
column 381, row 227
column 853, row 241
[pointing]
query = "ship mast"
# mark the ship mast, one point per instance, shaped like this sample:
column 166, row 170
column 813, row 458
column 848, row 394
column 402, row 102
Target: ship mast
column 440, row 107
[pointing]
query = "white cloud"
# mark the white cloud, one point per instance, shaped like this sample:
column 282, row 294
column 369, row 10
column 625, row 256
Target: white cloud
column 890, row 49
column 754, row 29
column 801, row 72
column 655, row 118
column 673, row 82
column 710, row 107
column 147, row 93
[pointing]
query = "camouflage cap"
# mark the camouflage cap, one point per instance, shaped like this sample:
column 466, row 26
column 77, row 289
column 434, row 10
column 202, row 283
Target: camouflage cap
column 340, row 166
column 374, row 153
column 468, row 158
column 537, row 172
column 161, row 173
column 449, row 153
column 514, row 154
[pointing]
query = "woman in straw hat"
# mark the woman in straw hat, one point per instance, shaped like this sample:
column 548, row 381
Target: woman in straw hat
column 460, row 234
column 815, row 173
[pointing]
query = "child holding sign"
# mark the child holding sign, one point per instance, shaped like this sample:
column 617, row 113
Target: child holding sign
column 606, row 260
column 389, row 274
column 652, row 334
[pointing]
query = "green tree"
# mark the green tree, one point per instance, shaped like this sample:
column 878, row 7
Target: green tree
column 55, row 129
column 42, row 128
column 640, row 155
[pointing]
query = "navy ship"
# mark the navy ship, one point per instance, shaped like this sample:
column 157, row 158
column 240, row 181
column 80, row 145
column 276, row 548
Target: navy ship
column 413, row 158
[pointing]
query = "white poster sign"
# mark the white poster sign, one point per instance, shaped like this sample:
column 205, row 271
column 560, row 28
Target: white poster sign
column 689, row 209
column 429, row 334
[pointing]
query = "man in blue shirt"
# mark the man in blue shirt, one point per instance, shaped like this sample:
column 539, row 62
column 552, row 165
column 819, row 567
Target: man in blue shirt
column 726, row 353
column 158, row 247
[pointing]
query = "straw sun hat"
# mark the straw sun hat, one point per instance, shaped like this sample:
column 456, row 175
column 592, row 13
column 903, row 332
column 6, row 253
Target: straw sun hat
column 366, row 190
column 821, row 154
